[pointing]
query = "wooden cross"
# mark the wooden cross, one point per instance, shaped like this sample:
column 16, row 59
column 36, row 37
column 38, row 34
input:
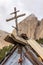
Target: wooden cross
column 15, row 17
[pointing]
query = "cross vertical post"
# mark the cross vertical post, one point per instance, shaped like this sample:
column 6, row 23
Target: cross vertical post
column 16, row 20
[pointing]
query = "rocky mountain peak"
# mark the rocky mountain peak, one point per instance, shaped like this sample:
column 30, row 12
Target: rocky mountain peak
column 32, row 16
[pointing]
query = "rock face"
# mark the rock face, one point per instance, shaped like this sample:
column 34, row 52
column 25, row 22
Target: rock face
column 28, row 26
column 39, row 30
column 3, row 34
column 3, row 43
column 31, row 26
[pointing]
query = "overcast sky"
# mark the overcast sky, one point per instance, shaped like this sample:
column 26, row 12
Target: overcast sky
column 27, row 6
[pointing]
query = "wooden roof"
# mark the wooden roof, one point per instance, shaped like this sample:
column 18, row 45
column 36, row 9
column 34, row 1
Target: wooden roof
column 36, row 47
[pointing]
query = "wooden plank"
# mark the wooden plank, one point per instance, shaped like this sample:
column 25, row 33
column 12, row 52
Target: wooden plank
column 29, row 58
column 38, row 49
column 33, row 56
column 19, row 39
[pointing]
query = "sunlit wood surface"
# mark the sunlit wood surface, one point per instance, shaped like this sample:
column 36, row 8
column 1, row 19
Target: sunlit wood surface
column 36, row 47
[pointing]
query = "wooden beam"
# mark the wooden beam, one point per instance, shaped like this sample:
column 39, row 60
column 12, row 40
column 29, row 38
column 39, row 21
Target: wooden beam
column 19, row 39
column 36, row 47
column 14, row 17
column 30, row 59
column 33, row 56
column 10, row 19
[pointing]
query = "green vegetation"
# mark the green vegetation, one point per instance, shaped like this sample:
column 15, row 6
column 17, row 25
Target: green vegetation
column 4, row 51
column 40, row 41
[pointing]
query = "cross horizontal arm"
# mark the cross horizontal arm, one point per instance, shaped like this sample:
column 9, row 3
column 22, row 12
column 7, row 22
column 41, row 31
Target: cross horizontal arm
column 10, row 19
column 21, row 15
column 15, row 17
column 14, row 12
